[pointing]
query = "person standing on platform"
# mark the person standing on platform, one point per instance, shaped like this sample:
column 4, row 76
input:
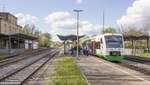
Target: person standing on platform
column 86, row 50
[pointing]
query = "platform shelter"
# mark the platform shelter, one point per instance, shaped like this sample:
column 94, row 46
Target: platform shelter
column 65, row 38
column 134, row 39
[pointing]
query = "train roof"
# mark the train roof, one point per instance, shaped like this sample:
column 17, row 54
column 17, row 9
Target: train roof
column 97, row 37
column 106, row 34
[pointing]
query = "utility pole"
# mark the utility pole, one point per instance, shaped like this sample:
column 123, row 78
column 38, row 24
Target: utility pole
column 103, row 21
column 77, row 11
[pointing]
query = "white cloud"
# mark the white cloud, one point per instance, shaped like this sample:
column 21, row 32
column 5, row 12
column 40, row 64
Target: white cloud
column 137, row 14
column 56, row 16
column 63, row 23
column 26, row 19
column 79, row 1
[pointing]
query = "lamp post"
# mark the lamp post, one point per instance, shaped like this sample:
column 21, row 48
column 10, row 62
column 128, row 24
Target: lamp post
column 77, row 11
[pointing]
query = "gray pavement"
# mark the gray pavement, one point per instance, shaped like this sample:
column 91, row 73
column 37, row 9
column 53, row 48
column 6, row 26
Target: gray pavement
column 101, row 72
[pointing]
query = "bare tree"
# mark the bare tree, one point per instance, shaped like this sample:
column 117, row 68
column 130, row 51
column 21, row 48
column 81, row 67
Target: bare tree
column 146, row 27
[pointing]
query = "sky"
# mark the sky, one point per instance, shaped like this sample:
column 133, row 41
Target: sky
column 57, row 16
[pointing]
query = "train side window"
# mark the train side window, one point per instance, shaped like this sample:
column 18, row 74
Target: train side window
column 97, row 45
column 101, row 40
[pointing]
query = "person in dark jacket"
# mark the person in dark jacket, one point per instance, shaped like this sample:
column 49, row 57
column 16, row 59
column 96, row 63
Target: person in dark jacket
column 86, row 50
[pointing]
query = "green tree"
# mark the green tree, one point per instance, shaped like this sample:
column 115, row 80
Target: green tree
column 29, row 29
column 44, row 40
column 26, row 29
column 109, row 30
column 134, row 32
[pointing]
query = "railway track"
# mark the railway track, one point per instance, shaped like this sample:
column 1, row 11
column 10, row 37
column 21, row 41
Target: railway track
column 138, row 59
column 20, row 57
column 41, row 76
column 17, row 73
column 137, row 65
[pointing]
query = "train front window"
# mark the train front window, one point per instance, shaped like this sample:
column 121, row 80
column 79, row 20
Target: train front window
column 114, row 41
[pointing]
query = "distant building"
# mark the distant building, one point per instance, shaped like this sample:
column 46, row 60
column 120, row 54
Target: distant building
column 12, row 36
column 8, row 23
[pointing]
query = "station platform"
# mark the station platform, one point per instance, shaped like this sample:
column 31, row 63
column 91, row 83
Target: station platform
column 101, row 72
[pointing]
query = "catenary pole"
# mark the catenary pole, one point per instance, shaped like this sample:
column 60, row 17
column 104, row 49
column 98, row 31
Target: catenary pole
column 103, row 21
column 77, row 11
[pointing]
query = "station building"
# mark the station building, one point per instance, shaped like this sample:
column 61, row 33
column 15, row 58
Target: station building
column 12, row 38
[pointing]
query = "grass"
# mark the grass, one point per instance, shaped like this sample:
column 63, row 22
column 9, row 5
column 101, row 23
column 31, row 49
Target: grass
column 67, row 73
column 147, row 55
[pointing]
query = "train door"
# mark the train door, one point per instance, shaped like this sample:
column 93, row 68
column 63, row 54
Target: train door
column 93, row 47
column 98, row 50
column 101, row 46
column 101, row 43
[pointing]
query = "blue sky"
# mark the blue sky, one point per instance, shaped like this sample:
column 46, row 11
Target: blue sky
column 42, row 10
column 92, row 8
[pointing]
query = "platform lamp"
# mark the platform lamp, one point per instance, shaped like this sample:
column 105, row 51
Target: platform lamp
column 77, row 11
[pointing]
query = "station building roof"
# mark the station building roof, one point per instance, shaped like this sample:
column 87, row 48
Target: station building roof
column 3, row 35
column 20, row 35
column 69, row 37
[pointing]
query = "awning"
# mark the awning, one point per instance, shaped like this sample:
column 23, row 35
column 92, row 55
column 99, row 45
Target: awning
column 20, row 35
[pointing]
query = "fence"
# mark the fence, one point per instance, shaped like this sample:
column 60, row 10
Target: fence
column 12, row 51
column 136, row 52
